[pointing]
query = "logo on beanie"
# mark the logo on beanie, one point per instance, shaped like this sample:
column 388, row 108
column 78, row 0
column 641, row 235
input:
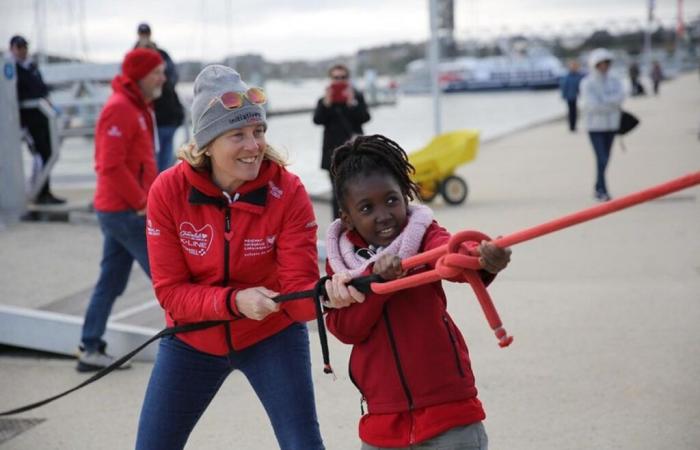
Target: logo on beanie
column 247, row 117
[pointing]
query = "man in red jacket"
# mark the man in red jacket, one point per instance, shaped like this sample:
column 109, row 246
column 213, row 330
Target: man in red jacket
column 126, row 168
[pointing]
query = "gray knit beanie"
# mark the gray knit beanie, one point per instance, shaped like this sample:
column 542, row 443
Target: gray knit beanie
column 208, row 122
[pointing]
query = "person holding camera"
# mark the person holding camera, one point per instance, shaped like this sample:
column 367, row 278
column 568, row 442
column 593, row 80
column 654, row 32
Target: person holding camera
column 342, row 111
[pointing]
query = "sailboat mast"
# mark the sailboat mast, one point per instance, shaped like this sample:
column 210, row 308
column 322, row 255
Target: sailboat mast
column 434, row 60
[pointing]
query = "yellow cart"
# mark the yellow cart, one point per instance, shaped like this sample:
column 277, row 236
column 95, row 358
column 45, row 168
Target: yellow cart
column 436, row 162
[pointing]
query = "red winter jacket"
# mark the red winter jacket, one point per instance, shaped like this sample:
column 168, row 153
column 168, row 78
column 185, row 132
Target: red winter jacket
column 407, row 352
column 203, row 249
column 124, row 149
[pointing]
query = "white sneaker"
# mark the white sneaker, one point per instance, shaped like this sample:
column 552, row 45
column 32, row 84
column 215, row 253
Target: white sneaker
column 96, row 360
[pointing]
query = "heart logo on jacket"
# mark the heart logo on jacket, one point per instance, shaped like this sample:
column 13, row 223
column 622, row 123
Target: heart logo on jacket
column 196, row 241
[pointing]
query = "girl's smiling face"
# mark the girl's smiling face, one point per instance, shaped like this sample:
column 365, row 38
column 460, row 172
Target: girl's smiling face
column 374, row 206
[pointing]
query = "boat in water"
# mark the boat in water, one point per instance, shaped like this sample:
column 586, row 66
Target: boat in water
column 520, row 66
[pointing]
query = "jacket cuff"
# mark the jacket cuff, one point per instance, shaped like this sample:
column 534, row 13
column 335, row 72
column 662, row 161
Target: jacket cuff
column 231, row 304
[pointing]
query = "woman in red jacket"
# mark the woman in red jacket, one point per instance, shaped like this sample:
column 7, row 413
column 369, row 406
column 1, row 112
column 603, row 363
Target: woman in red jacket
column 228, row 229
column 409, row 360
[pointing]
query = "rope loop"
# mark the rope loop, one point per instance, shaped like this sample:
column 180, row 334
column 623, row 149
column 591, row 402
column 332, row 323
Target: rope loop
column 459, row 257
column 465, row 236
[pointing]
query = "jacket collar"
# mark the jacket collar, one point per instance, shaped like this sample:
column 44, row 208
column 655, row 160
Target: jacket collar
column 130, row 89
column 256, row 198
column 251, row 196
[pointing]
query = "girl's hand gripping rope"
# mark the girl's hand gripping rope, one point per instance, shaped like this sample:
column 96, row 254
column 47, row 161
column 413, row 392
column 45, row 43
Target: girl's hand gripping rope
column 339, row 293
column 492, row 258
column 388, row 267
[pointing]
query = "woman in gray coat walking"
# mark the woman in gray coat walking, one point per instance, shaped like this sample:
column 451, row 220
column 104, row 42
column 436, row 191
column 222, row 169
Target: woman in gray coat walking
column 601, row 96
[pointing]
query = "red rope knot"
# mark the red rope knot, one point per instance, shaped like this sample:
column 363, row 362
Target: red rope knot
column 458, row 260
column 461, row 263
column 461, row 256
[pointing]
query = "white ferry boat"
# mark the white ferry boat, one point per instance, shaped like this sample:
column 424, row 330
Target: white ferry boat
column 522, row 66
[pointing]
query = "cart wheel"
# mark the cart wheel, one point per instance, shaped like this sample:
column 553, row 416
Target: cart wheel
column 428, row 194
column 454, row 190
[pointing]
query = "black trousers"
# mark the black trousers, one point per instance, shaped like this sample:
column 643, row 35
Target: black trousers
column 334, row 200
column 38, row 126
column 573, row 114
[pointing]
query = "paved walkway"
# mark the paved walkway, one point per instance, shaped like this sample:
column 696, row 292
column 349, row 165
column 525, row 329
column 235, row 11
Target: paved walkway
column 604, row 314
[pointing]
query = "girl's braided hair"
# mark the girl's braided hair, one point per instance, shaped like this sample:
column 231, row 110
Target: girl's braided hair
column 371, row 154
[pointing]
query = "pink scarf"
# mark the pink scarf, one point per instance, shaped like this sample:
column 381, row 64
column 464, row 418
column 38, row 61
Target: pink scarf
column 341, row 252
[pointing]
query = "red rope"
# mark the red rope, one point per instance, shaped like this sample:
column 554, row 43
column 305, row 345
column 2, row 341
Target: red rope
column 453, row 262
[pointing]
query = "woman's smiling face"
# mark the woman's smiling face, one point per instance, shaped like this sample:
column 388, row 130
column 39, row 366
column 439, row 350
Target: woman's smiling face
column 374, row 206
column 236, row 156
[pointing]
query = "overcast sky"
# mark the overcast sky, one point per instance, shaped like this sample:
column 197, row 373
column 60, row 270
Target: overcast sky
column 289, row 29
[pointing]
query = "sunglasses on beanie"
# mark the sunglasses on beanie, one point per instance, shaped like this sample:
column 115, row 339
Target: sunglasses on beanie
column 235, row 100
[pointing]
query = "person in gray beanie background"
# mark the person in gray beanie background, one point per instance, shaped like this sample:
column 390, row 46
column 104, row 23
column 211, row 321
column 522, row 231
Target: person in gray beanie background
column 228, row 229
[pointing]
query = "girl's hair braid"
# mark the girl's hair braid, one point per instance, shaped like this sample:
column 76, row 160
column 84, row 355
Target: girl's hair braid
column 370, row 154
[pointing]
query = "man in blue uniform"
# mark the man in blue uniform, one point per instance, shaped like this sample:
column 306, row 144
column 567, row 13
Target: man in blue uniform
column 31, row 86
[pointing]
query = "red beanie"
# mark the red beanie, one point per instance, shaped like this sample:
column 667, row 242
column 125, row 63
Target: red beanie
column 140, row 62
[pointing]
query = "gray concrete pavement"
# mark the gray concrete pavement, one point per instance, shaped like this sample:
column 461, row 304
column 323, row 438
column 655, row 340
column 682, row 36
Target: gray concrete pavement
column 607, row 348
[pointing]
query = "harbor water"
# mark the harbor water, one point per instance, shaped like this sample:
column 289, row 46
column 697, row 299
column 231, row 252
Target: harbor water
column 409, row 122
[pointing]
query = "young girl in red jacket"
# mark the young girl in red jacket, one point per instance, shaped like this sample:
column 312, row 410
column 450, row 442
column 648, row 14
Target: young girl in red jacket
column 409, row 360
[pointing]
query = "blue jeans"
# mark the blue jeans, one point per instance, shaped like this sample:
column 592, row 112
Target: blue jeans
column 165, row 142
column 602, row 143
column 185, row 380
column 124, row 240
